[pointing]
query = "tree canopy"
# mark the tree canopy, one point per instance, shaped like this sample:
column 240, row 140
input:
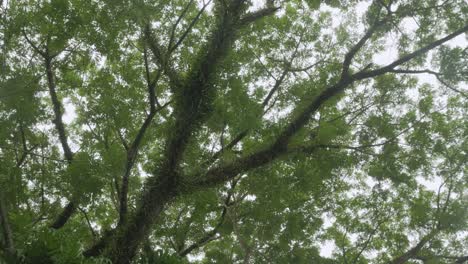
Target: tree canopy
column 233, row 131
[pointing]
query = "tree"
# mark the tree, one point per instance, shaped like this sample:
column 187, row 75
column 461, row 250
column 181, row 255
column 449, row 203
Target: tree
column 241, row 131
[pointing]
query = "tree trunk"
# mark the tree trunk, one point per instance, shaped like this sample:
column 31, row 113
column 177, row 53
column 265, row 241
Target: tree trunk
column 125, row 247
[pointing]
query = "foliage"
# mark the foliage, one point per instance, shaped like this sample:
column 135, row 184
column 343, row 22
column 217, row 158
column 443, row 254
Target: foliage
column 236, row 131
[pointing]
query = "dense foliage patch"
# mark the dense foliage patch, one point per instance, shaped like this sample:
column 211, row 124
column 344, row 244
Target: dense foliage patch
column 233, row 131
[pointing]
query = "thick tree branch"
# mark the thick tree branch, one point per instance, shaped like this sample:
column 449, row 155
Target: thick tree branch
column 412, row 252
column 254, row 16
column 192, row 105
column 354, row 50
column 329, row 92
column 6, row 229
column 63, row 217
column 98, row 247
column 70, row 208
column 57, row 107
column 48, row 57
column 457, row 260
column 462, row 260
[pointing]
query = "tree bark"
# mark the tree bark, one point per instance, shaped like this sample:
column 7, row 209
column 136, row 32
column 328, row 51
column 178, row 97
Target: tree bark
column 70, row 208
column 126, row 241
column 7, row 233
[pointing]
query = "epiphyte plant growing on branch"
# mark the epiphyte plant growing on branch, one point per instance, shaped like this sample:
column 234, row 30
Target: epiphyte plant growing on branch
column 233, row 131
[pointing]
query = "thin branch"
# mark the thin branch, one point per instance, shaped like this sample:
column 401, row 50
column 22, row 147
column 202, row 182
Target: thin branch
column 436, row 74
column 211, row 235
column 264, row 66
column 35, row 154
column 244, row 133
column 184, row 11
column 132, row 150
column 410, row 56
column 122, row 139
column 131, row 158
column 225, row 172
column 234, row 218
column 93, row 233
column 367, row 242
column 25, row 150
column 151, row 84
column 304, row 69
column 188, row 29
column 208, row 237
column 161, row 59
column 360, row 148
column 438, row 213
column 278, row 82
column 309, row 149
column 357, row 113
column 31, row 43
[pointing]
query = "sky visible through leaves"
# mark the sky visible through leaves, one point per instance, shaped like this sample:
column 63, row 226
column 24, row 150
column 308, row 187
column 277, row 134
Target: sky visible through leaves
column 385, row 56
column 237, row 131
